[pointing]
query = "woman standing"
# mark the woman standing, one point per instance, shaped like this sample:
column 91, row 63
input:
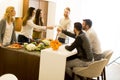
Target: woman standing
column 28, row 26
column 7, row 33
column 37, row 34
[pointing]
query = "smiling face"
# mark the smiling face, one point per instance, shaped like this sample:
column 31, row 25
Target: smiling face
column 66, row 13
column 33, row 13
column 13, row 13
column 10, row 11
column 85, row 26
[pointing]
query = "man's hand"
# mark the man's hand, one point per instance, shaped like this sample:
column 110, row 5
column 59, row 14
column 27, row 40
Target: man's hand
column 0, row 44
column 59, row 30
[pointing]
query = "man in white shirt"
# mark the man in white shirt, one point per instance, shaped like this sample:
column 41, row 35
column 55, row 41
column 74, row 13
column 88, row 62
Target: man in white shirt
column 87, row 24
column 64, row 24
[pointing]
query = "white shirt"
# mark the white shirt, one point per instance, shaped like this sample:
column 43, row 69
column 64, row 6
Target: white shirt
column 8, row 34
column 65, row 25
column 94, row 41
column 27, row 30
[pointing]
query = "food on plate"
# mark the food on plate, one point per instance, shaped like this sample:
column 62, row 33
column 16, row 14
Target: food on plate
column 15, row 45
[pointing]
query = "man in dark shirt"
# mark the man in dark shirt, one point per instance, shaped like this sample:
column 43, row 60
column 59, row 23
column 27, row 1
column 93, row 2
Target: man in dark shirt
column 84, row 54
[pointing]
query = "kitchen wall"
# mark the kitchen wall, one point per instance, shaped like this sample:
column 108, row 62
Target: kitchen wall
column 16, row 3
column 105, row 15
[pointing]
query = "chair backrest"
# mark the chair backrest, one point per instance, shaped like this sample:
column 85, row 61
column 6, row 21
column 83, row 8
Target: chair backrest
column 107, row 54
column 93, row 70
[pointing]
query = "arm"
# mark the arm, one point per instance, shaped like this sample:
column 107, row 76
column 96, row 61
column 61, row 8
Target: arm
column 87, row 47
column 37, row 27
column 2, row 29
column 68, row 33
column 30, row 23
column 14, row 35
column 0, row 44
column 1, row 25
column 75, row 44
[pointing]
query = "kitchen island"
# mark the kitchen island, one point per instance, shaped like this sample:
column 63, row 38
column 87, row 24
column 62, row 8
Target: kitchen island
column 53, row 63
column 20, row 62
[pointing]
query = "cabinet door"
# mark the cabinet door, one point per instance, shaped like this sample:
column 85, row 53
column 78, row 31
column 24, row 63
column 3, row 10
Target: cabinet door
column 44, row 7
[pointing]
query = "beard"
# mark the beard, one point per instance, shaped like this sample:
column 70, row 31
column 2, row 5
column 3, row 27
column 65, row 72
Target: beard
column 65, row 15
column 83, row 28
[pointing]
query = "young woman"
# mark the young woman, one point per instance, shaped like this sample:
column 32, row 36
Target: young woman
column 7, row 33
column 38, row 34
column 28, row 26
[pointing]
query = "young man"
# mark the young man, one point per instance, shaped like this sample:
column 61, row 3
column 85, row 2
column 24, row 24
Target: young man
column 84, row 54
column 64, row 24
column 87, row 24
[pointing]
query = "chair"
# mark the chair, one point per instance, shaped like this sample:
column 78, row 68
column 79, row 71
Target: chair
column 107, row 55
column 93, row 70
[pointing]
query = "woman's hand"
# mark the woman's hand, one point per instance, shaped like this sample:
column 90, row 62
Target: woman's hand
column 50, row 27
column 0, row 44
column 37, row 30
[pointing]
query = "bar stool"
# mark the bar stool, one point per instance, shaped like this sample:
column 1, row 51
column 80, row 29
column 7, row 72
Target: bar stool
column 93, row 70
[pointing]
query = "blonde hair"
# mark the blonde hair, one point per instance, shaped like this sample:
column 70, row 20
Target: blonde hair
column 8, row 14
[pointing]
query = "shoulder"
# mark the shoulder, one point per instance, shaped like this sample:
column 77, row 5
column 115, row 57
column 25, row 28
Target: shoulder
column 83, row 36
column 91, row 31
column 3, row 20
column 2, row 23
column 61, row 19
column 30, row 20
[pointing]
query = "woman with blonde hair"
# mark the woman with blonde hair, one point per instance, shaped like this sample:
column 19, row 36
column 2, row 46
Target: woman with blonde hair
column 7, row 32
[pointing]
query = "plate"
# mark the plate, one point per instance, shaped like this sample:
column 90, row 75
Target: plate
column 15, row 46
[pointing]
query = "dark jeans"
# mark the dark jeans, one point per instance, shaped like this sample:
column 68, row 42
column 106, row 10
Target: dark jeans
column 22, row 39
column 67, row 77
column 62, row 40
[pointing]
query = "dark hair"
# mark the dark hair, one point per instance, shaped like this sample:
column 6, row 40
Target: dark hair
column 78, row 26
column 28, row 15
column 38, row 18
column 88, row 22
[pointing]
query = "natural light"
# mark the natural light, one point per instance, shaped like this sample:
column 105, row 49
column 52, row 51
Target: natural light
column 105, row 15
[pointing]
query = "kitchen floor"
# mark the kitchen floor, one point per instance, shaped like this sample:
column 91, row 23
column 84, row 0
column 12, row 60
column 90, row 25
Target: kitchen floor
column 113, row 69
